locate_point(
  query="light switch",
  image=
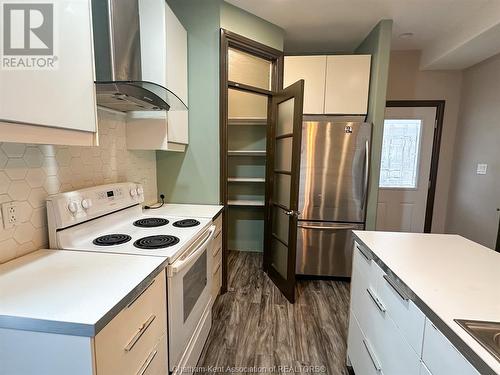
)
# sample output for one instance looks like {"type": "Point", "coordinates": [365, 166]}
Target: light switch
{"type": "Point", "coordinates": [481, 168]}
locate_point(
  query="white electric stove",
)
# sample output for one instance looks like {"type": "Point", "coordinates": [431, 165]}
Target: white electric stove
{"type": "Point", "coordinates": [110, 219]}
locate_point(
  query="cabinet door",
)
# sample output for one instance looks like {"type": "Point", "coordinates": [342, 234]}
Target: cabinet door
{"type": "Point", "coordinates": [441, 357]}
{"type": "Point", "coordinates": [347, 84]}
{"type": "Point", "coordinates": [312, 69]}
{"type": "Point", "coordinates": [61, 96]}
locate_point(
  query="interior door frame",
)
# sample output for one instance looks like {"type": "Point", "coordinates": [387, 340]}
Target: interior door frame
{"type": "Point", "coordinates": [296, 90]}
{"type": "Point", "coordinates": [436, 148]}
{"type": "Point", "coordinates": [230, 39]}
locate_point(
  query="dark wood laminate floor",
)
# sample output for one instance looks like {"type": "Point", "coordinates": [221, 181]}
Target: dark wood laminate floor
{"type": "Point", "coordinates": [255, 326]}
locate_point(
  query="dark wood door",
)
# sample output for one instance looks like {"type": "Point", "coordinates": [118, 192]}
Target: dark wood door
{"type": "Point", "coordinates": [282, 188]}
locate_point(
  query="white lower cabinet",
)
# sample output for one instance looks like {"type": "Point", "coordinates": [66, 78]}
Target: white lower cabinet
{"type": "Point", "coordinates": [389, 349]}
{"type": "Point", "coordinates": [441, 357]}
{"type": "Point", "coordinates": [388, 331]}
{"type": "Point", "coordinates": [133, 342]}
{"type": "Point", "coordinates": [126, 343]}
{"type": "Point", "coordinates": [363, 361]}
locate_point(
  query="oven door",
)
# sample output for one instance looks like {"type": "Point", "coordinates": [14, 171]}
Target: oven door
{"type": "Point", "coordinates": [189, 284]}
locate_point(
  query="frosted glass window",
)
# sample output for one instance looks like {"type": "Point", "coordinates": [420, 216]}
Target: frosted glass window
{"type": "Point", "coordinates": [400, 154]}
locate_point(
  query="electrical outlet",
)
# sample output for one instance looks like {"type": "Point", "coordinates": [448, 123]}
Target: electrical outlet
{"type": "Point", "coordinates": [9, 214]}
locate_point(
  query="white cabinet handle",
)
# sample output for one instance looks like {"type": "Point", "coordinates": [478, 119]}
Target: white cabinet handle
{"type": "Point", "coordinates": [139, 333]}
{"type": "Point", "coordinates": [375, 299]}
{"type": "Point", "coordinates": [396, 288]}
{"type": "Point", "coordinates": [373, 357]}
{"type": "Point", "coordinates": [146, 364]}
{"type": "Point", "coordinates": [363, 252]}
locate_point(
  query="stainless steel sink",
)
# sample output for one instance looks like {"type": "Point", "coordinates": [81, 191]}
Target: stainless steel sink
{"type": "Point", "coordinates": [485, 333]}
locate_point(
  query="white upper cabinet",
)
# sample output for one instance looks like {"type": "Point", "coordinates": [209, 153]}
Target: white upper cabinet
{"type": "Point", "coordinates": [55, 88]}
{"type": "Point", "coordinates": [164, 61]}
{"type": "Point", "coordinates": [312, 69]}
{"type": "Point", "coordinates": [334, 84]}
{"type": "Point", "coordinates": [347, 84]}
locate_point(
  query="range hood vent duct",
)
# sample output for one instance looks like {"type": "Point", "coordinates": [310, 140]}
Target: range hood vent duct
{"type": "Point", "coordinates": [117, 50]}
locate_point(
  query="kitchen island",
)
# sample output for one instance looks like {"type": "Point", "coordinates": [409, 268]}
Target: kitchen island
{"type": "Point", "coordinates": [407, 290]}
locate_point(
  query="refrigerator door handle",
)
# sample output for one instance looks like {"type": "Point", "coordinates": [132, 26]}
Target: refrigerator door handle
{"type": "Point", "coordinates": [366, 174]}
{"type": "Point", "coordinates": [333, 227]}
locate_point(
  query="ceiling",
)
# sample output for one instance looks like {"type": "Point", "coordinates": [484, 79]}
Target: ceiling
{"type": "Point", "coordinates": [314, 26]}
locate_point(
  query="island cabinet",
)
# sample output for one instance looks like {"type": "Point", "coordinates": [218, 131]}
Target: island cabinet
{"type": "Point", "coordinates": [388, 333]}
{"type": "Point", "coordinates": [133, 342]}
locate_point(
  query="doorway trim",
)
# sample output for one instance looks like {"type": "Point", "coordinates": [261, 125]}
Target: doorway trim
{"type": "Point", "coordinates": [436, 147]}
{"type": "Point", "coordinates": [231, 39]}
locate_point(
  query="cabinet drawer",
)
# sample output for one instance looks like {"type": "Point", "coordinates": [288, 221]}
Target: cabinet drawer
{"type": "Point", "coordinates": [156, 362]}
{"type": "Point", "coordinates": [217, 260]}
{"type": "Point", "coordinates": [363, 360]}
{"type": "Point", "coordinates": [365, 276]}
{"type": "Point", "coordinates": [441, 357]}
{"type": "Point", "coordinates": [217, 281]}
{"type": "Point", "coordinates": [218, 224]}
{"type": "Point", "coordinates": [125, 343]}
{"type": "Point", "coordinates": [217, 244]}
{"type": "Point", "coordinates": [405, 314]}
{"type": "Point", "coordinates": [393, 350]}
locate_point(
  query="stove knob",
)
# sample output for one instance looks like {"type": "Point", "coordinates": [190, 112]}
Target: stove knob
{"type": "Point", "coordinates": [86, 203]}
{"type": "Point", "coordinates": [140, 190]}
{"type": "Point", "coordinates": [73, 207]}
{"type": "Point", "coordinates": [133, 192]}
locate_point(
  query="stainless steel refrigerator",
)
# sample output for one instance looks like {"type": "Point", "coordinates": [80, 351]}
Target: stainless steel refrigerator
{"type": "Point", "coordinates": [332, 194]}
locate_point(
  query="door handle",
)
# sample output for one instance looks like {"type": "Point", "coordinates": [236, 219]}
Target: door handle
{"type": "Point", "coordinates": [376, 300]}
{"type": "Point", "coordinates": [139, 333]}
{"type": "Point", "coordinates": [305, 226]}
{"type": "Point", "coordinates": [292, 213]}
{"type": "Point", "coordinates": [373, 357]}
{"type": "Point", "coordinates": [366, 174]}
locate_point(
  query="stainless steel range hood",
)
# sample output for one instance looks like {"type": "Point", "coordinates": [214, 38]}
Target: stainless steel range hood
{"type": "Point", "coordinates": [118, 61]}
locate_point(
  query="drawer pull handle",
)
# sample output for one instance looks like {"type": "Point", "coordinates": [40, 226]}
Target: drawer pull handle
{"type": "Point", "coordinates": [364, 253]}
{"type": "Point", "coordinates": [146, 364]}
{"type": "Point", "coordinates": [375, 299]}
{"type": "Point", "coordinates": [373, 357]}
{"type": "Point", "coordinates": [140, 294]}
{"type": "Point", "coordinates": [139, 333]}
{"type": "Point", "coordinates": [397, 288]}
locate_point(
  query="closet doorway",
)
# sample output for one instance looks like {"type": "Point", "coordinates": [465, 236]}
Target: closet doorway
{"type": "Point", "coordinates": [261, 127]}
{"type": "Point", "coordinates": [249, 73]}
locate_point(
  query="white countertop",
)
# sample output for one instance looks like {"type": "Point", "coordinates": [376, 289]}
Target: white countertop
{"type": "Point", "coordinates": [455, 277]}
{"type": "Point", "coordinates": [189, 210]}
{"type": "Point", "coordinates": [70, 292]}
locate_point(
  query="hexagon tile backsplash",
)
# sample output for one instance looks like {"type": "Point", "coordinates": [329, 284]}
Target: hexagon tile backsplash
{"type": "Point", "coordinates": [29, 173]}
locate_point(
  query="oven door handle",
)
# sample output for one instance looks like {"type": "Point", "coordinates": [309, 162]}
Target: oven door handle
{"type": "Point", "coordinates": [180, 264]}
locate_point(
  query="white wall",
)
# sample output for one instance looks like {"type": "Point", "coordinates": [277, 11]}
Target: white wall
{"type": "Point", "coordinates": [407, 82]}
{"type": "Point", "coordinates": [474, 199]}
{"type": "Point", "coordinates": [28, 173]}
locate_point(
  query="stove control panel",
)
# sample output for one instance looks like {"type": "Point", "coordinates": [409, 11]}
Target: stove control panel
{"type": "Point", "coordinates": [78, 206]}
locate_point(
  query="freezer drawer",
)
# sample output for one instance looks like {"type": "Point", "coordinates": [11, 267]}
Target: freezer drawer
{"type": "Point", "coordinates": [325, 248]}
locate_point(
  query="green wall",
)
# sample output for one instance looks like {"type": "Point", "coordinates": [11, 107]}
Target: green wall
{"type": "Point", "coordinates": [378, 44]}
{"type": "Point", "coordinates": [241, 22]}
{"type": "Point", "coordinates": [193, 176]}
